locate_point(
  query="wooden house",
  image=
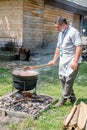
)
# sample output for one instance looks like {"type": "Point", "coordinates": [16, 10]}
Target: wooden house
{"type": "Point", "coordinates": [31, 22]}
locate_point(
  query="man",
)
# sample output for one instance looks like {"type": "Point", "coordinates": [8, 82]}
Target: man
{"type": "Point", "coordinates": [69, 49]}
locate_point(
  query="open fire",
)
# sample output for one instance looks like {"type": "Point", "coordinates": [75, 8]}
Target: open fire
{"type": "Point", "coordinates": [24, 104]}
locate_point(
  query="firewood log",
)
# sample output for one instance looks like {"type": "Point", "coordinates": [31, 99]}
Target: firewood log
{"type": "Point", "coordinates": [86, 125]}
{"type": "Point", "coordinates": [82, 118]}
{"type": "Point", "coordinates": [69, 117]}
{"type": "Point", "coordinates": [76, 128]}
{"type": "Point", "coordinates": [74, 119]}
{"type": "Point", "coordinates": [69, 128]}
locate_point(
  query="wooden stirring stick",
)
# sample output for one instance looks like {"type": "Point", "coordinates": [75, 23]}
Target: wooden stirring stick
{"type": "Point", "coordinates": [34, 67]}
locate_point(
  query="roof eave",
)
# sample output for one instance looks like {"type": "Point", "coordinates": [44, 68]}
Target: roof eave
{"type": "Point", "coordinates": [69, 6]}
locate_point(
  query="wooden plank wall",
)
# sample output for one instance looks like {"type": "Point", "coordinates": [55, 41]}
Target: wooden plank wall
{"type": "Point", "coordinates": [76, 21]}
{"type": "Point", "coordinates": [38, 21]}
{"type": "Point", "coordinates": [50, 14]}
{"type": "Point", "coordinates": [33, 23]}
{"type": "Point", "coordinates": [11, 17]}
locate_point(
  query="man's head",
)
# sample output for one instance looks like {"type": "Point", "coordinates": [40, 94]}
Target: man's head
{"type": "Point", "coordinates": [61, 23]}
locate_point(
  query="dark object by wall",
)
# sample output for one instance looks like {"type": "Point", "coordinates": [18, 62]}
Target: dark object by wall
{"type": "Point", "coordinates": [24, 54]}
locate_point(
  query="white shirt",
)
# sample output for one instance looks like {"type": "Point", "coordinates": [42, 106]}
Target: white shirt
{"type": "Point", "coordinates": [67, 47]}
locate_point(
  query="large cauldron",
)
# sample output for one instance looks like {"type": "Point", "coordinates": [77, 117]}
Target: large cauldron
{"type": "Point", "coordinates": [24, 80]}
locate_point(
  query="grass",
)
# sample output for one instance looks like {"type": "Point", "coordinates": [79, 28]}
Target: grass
{"type": "Point", "coordinates": [5, 81]}
{"type": "Point", "coordinates": [49, 84]}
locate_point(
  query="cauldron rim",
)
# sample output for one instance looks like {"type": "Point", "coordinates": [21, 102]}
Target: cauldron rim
{"type": "Point", "coordinates": [17, 73]}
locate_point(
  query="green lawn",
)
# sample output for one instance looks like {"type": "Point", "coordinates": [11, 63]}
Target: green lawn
{"type": "Point", "coordinates": [49, 84]}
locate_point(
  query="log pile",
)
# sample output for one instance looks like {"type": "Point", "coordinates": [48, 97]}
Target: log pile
{"type": "Point", "coordinates": [77, 118]}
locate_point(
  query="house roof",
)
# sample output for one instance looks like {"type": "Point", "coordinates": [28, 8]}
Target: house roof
{"type": "Point", "coordinates": [69, 6]}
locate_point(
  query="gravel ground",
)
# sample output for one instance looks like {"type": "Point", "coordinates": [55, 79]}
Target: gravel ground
{"type": "Point", "coordinates": [41, 56]}
{"type": "Point", "coordinates": [6, 121]}
{"type": "Point", "coordinates": [33, 61]}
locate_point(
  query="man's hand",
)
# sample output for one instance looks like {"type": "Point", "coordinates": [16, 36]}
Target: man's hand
{"type": "Point", "coordinates": [74, 65]}
{"type": "Point", "coordinates": [51, 63]}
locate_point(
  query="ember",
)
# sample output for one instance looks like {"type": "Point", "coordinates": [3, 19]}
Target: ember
{"type": "Point", "coordinates": [25, 104]}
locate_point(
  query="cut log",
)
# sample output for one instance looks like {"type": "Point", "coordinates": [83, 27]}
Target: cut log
{"type": "Point", "coordinates": [69, 117]}
{"type": "Point", "coordinates": [86, 125]}
{"type": "Point", "coordinates": [74, 119]}
{"type": "Point", "coordinates": [76, 128]}
{"type": "Point", "coordinates": [82, 118]}
{"type": "Point", "coordinates": [69, 128]}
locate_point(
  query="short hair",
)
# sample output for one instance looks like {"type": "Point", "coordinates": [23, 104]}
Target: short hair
{"type": "Point", "coordinates": [60, 20]}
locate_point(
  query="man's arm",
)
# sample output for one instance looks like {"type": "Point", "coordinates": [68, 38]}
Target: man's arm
{"type": "Point", "coordinates": [56, 54]}
{"type": "Point", "coordinates": [78, 53]}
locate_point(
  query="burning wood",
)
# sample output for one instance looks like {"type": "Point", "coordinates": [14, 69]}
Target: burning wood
{"type": "Point", "coordinates": [27, 94]}
{"type": "Point", "coordinates": [25, 103]}
{"type": "Point", "coordinates": [77, 118]}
